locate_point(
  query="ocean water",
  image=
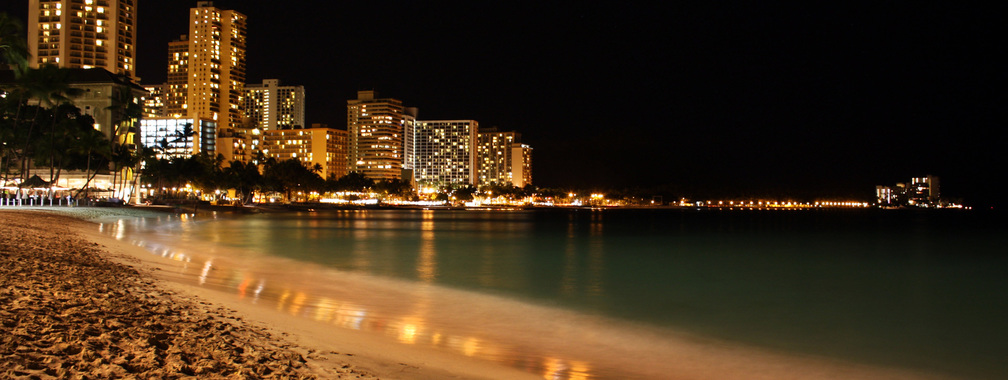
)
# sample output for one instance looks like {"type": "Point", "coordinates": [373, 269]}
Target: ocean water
{"type": "Point", "coordinates": [587, 293]}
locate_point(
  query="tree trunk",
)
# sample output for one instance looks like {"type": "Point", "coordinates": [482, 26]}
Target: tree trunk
{"type": "Point", "coordinates": [87, 173]}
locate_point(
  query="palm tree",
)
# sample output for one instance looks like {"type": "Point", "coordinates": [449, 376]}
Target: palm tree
{"type": "Point", "coordinates": [183, 135]}
{"type": "Point", "coordinates": [68, 123]}
{"type": "Point", "coordinates": [49, 85]}
{"type": "Point", "coordinates": [244, 178]}
{"type": "Point", "coordinates": [94, 146]}
{"type": "Point", "coordinates": [13, 47]}
{"type": "Point", "coordinates": [127, 111]}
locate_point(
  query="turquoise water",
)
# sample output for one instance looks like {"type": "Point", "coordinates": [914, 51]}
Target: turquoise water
{"type": "Point", "coordinates": [926, 291]}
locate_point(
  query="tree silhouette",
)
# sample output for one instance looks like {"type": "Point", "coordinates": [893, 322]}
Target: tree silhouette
{"type": "Point", "coordinates": [13, 47]}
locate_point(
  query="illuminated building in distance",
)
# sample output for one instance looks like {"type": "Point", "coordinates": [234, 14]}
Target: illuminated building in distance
{"type": "Point", "coordinates": [154, 101]}
{"type": "Point", "coordinates": [216, 64]}
{"type": "Point", "coordinates": [375, 128]}
{"type": "Point", "coordinates": [521, 165]}
{"type": "Point", "coordinates": [271, 106]}
{"type": "Point", "coordinates": [494, 158]}
{"type": "Point", "coordinates": [168, 138]}
{"type": "Point", "coordinates": [83, 34]}
{"type": "Point", "coordinates": [444, 153]}
{"type": "Point", "coordinates": [503, 159]}
{"type": "Point", "coordinates": [318, 145]}
{"type": "Point", "coordinates": [267, 107]}
{"type": "Point", "coordinates": [177, 84]}
{"type": "Point", "coordinates": [921, 192]}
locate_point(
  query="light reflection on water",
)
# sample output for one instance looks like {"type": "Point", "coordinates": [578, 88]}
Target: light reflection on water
{"type": "Point", "coordinates": [877, 289]}
{"type": "Point", "coordinates": [409, 315]}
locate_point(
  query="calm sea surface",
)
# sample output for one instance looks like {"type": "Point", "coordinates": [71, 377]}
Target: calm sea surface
{"type": "Point", "coordinates": [919, 290]}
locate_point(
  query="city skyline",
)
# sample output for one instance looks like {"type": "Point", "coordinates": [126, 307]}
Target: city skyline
{"type": "Point", "coordinates": [731, 99]}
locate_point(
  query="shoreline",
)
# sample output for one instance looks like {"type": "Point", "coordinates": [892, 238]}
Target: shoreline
{"type": "Point", "coordinates": [111, 313]}
{"type": "Point", "coordinates": [324, 347]}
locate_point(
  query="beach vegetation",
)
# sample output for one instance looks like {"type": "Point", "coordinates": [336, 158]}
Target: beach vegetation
{"type": "Point", "coordinates": [292, 179]}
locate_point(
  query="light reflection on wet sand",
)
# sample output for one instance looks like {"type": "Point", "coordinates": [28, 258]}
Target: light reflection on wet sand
{"type": "Point", "coordinates": [414, 314]}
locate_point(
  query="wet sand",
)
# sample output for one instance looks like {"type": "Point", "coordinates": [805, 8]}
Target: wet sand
{"type": "Point", "coordinates": [87, 304]}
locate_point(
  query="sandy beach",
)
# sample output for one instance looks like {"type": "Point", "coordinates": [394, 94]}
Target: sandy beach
{"type": "Point", "coordinates": [79, 303]}
{"type": "Point", "coordinates": [70, 312]}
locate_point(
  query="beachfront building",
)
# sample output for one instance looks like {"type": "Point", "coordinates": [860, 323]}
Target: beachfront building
{"type": "Point", "coordinates": [375, 128]}
{"type": "Point", "coordinates": [318, 145]}
{"type": "Point", "coordinates": [923, 190]}
{"type": "Point", "coordinates": [177, 84]}
{"type": "Point", "coordinates": [494, 158]}
{"type": "Point", "coordinates": [920, 192]}
{"type": "Point", "coordinates": [238, 144]}
{"type": "Point", "coordinates": [521, 165]}
{"type": "Point", "coordinates": [83, 34]}
{"type": "Point", "coordinates": [171, 137]}
{"type": "Point", "coordinates": [215, 66]}
{"type": "Point", "coordinates": [104, 96]}
{"type": "Point", "coordinates": [444, 153]}
{"type": "Point", "coordinates": [271, 106]}
{"type": "Point", "coordinates": [267, 107]}
{"type": "Point", "coordinates": [409, 140]}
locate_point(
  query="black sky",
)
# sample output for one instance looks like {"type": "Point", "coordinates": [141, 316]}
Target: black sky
{"type": "Point", "coordinates": [710, 99]}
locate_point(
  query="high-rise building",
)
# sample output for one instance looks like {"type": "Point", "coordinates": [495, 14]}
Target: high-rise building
{"type": "Point", "coordinates": [154, 101]}
{"type": "Point", "coordinates": [521, 165]}
{"type": "Point", "coordinates": [444, 153]}
{"type": "Point", "coordinates": [494, 157]}
{"type": "Point", "coordinates": [178, 77]}
{"type": "Point", "coordinates": [409, 141]}
{"type": "Point", "coordinates": [83, 34]}
{"type": "Point", "coordinates": [375, 142]}
{"type": "Point", "coordinates": [317, 145]}
{"type": "Point", "coordinates": [920, 192]}
{"type": "Point", "coordinates": [216, 64]}
{"type": "Point", "coordinates": [923, 190]}
{"type": "Point", "coordinates": [271, 106]}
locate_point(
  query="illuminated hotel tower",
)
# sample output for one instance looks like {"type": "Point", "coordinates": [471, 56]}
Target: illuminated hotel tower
{"type": "Point", "coordinates": [83, 34]}
{"type": "Point", "coordinates": [178, 78]}
{"type": "Point", "coordinates": [495, 149]}
{"type": "Point", "coordinates": [319, 145]}
{"type": "Point", "coordinates": [375, 127]}
{"type": "Point", "coordinates": [272, 106]}
{"type": "Point", "coordinates": [521, 165]}
{"type": "Point", "coordinates": [216, 64]}
{"type": "Point", "coordinates": [445, 152]}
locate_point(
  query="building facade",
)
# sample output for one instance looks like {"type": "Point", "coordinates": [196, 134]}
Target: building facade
{"type": "Point", "coordinates": [271, 106]}
{"type": "Point", "coordinates": [321, 146]}
{"type": "Point", "coordinates": [154, 101]}
{"type": "Point", "coordinates": [444, 153]}
{"type": "Point", "coordinates": [83, 34]}
{"type": "Point", "coordinates": [494, 159]}
{"type": "Point", "coordinates": [216, 64]}
{"type": "Point", "coordinates": [375, 127]}
{"type": "Point", "coordinates": [177, 84]}
{"type": "Point", "coordinates": [920, 192]}
{"type": "Point", "coordinates": [171, 137]}
{"type": "Point", "coordinates": [521, 165]}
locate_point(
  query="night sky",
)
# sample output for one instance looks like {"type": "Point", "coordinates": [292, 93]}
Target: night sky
{"type": "Point", "coordinates": [704, 99]}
